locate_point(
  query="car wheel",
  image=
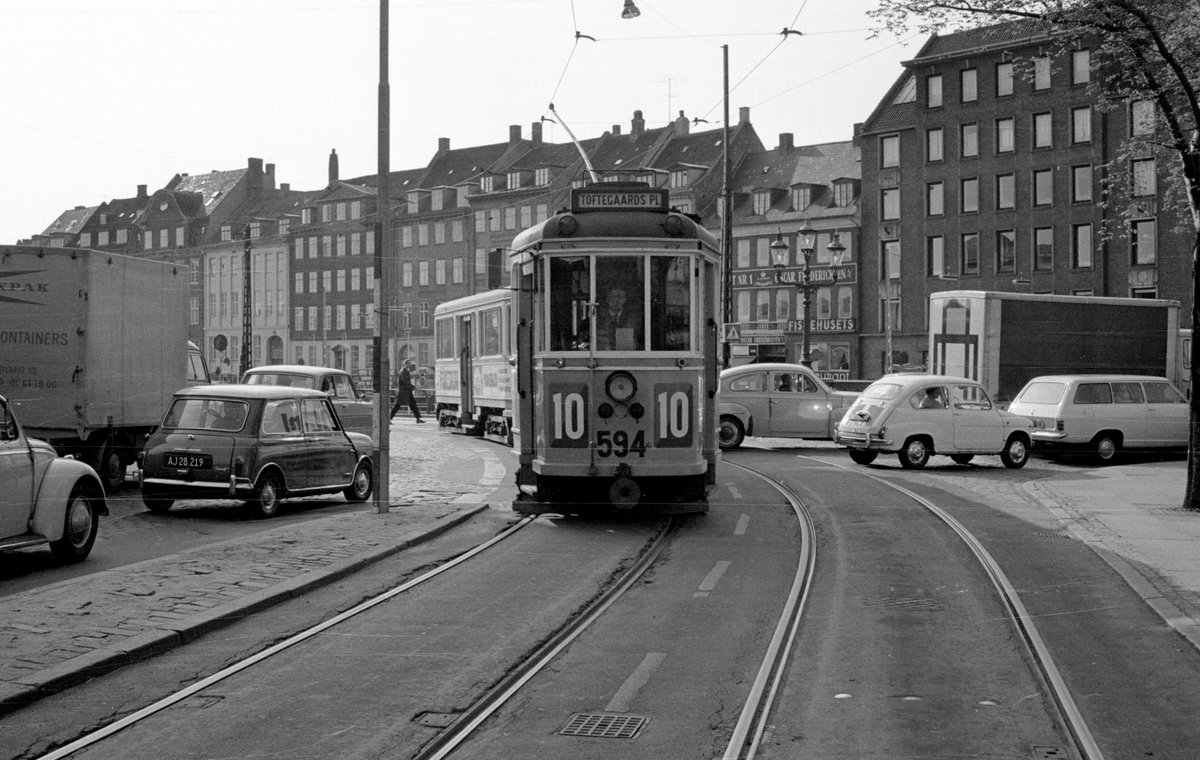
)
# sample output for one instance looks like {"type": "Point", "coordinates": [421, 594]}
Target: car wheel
{"type": "Point", "coordinates": [1015, 453]}
{"type": "Point", "coordinates": [360, 488]}
{"type": "Point", "coordinates": [863, 456]}
{"type": "Point", "coordinates": [1106, 447]}
{"type": "Point", "coordinates": [915, 454]}
{"type": "Point", "coordinates": [730, 433]}
{"type": "Point", "coordinates": [156, 504]}
{"type": "Point", "coordinates": [268, 492]}
{"type": "Point", "coordinates": [962, 458]}
{"type": "Point", "coordinates": [79, 526]}
{"type": "Point", "coordinates": [110, 466]}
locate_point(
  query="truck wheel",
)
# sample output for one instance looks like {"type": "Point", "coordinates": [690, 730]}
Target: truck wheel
{"type": "Point", "coordinates": [863, 456]}
{"type": "Point", "coordinates": [1106, 447]}
{"type": "Point", "coordinates": [80, 524]}
{"type": "Point", "coordinates": [360, 488]}
{"type": "Point", "coordinates": [1015, 453]}
{"type": "Point", "coordinates": [265, 502]}
{"type": "Point", "coordinates": [730, 433]}
{"type": "Point", "coordinates": [915, 454]}
{"type": "Point", "coordinates": [110, 466]}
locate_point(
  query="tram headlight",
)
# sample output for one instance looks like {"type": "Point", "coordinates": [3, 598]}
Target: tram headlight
{"type": "Point", "coordinates": [605, 411]}
{"type": "Point", "coordinates": [568, 225]}
{"type": "Point", "coordinates": [636, 411]}
{"type": "Point", "coordinates": [673, 225]}
{"type": "Point", "coordinates": [620, 386]}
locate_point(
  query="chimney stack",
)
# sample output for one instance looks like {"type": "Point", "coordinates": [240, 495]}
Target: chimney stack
{"type": "Point", "coordinates": [638, 125]}
{"type": "Point", "coordinates": [536, 132]}
{"type": "Point", "coordinates": [142, 195]}
{"type": "Point", "coordinates": [681, 123]}
{"type": "Point", "coordinates": [333, 167]}
{"type": "Point", "coordinates": [786, 142]}
{"type": "Point", "coordinates": [514, 134]}
{"type": "Point", "coordinates": [744, 115]}
{"type": "Point", "coordinates": [443, 145]}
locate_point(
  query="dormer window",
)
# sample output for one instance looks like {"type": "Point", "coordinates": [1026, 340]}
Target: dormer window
{"type": "Point", "coordinates": [844, 193]}
{"type": "Point", "coordinates": [541, 177]}
{"type": "Point", "coordinates": [801, 198]}
{"type": "Point", "coordinates": [514, 180]}
{"type": "Point", "coordinates": [486, 184]}
{"type": "Point", "coordinates": [762, 202]}
{"type": "Point", "coordinates": [226, 232]}
{"type": "Point", "coordinates": [306, 215]}
{"type": "Point", "coordinates": [414, 202]}
{"type": "Point", "coordinates": [679, 178]}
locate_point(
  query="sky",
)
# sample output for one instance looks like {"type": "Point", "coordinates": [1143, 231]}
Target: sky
{"type": "Point", "coordinates": [98, 97]}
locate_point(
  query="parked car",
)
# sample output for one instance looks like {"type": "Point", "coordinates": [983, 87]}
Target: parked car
{"type": "Point", "coordinates": [255, 443]}
{"type": "Point", "coordinates": [354, 407]}
{"type": "Point", "coordinates": [47, 499]}
{"type": "Point", "coordinates": [918, 416]}
{"type": "Point", "coordinates": [779, 400]}
{"type": "Point", "coordinates": [1103, 414]}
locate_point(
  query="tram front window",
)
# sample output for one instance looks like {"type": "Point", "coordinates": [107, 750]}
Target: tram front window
{"type": "Point", "coordinates": [670, 303]}
{"type": "Point", "coordinates": [570, 296]}
{"type": "Point", "coordinates": [620, 292]}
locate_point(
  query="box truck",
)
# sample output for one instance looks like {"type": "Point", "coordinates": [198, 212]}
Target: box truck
{"type": "Point", "coordinates": [1004, 339]}
{"type": "Point", "coordinates": [92, 346]}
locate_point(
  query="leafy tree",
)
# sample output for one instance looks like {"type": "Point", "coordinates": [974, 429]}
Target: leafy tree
{"type": "Point", "coordinates": [1142, 50]}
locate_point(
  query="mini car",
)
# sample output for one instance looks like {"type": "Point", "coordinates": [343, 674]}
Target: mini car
{"type": "Point", "coordinates": [47, 499]}
{"type": "Point", "coordinates": [1103, 414]}
{"type": "Point", "coordinates": [779, 400]}
{"type": "Point", "coordinates": [254, 443]}
{"type": "Point", "coordinates": [354, 407]}
{"type": "Point", "coordinates": [918, 416]}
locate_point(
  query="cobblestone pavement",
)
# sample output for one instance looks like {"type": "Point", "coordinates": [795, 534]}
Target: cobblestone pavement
{"type": "Point", "coordinates": [57, 635]}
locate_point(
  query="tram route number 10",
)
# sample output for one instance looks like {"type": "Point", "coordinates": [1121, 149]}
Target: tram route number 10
{"type": "Point", "coordinates": [671, 418]}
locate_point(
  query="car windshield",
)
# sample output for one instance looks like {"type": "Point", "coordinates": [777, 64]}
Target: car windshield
{"type": "Point", "coordinates": [279, 378]}
{"type": "Point", "coordinates": [1041, 392]}
{"type": "Point", "coordinates": [225, 415]}
{"type": "Point", "coordinates": [882, 391]}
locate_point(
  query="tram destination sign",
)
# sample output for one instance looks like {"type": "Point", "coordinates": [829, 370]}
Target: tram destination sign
{"type": "Point", "coordinates": [618, 197]}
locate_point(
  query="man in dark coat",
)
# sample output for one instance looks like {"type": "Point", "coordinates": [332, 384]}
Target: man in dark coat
{"type": "Point", "coordinates": [404, 392]}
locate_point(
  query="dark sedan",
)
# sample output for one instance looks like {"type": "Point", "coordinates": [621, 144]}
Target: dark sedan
{"type": "Point", "coordinates": [254, 443]}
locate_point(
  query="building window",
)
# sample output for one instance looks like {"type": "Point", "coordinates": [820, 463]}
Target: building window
{"type": "Point", "coordinates": [1004, 79]}
{"type": "Point", "coordinates": [1081, 124]}
{"type": "Point", "coordinates": [226, 232]}
{"type": "Point", "coordinates": [485, 184]}
{"type": "Point", "coordinates": [968, 85]}
{"type": "Point", "coordinates": [970, 253]}
{"type": "Point", "coordinates": [85, 240]}
{"type": "Point", "coordinates": [406, 274]}
{"type": "Point", "coordinates": [1043, 248]}
{"type": "Point", "coordinates": [843, 194]}
{"type": "Point", "coordinates": [1081, 246]}
{"type": "Point", "coordinates": [1004, 135]}
{"type": "Point", "coordinates": [1043, 130]}
{"type": "Point", "coordinates": [933, 91]}
{"type": "Point", "coordinates": [541, 177]}
{"type": "Point", "coordinates": [762, 202]}
{"type": "Point", "coordinates": [163, 240]}
{"type": "Point", "coordinates": [514, 180]}
{"type": "Point", "coordinates": [1081, 66]}
{"type": "Point", "coordinates": [422, 273]}
{"type": "Point", "coordinates": [1006, 192]}
{"type": "Point", "coordinates": [679, 178]}
{"type": "Point", "coordinates": [969, 195]}
{"type": "Point", "coordinates": [935, 256]}
{"type": "Point", "coordinates": [1144, 177]}
{"type": "Point", "coordinates": [1006, 251]}
{"type": "Point", "coordinates": [122, 236]}
{"type": "Point", "coordinates": [1141, 118]}
{"type": "Point", "coordinates": [1043, 187]}
{"type": "Point", "coordinates": [933, 144]}
{"type": "Point", "coordinates": [458, 269]}
{"type": "Point", "coordinates": [1142, 242]}
{"type": "Point", "coordinates": [1081, 183]}
{"type": "Point", "coordinates": [934, 199]}
{"type": "Point", "coordinates": [889, 263]}
{"type": "Point", "coordinates": [743, 253]}
{"type": "Point", "coordinates": [1041, 73]}
{"type": "Point", "coordinates": [891, 203]}
{"type": "Point", "coordinates": [439, 272]}
{"type": "Point", "coordinates": [969, 140]}
{"type": "Point", "coordinates": [801, 198]}
{"type": "Point", "coordinates": [889, 151]}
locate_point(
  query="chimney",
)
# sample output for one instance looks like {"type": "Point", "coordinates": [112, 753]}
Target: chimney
{"type": "Point", "coordinates": [254, 174]}
{"type": "Point", "coordinates": [443, 145]}
{"type": "Point", "coordinates": [333, 167]}
{"type": "Point", "coordinates": [616, 130]}
{"type": "Point", "coordinates": [514, 134]}
{"type": "Point", "coordinates": [786, 142]}
{"type": "Point", "coordinates": [269, 180]}
{"type": "Point", "coordinates": [681, 123]}
{"type": "Point", "coordinates": [638, 126]}
{"type": "Point", "coordinates": [285, 186]}
{"type": "Point", "coordinates": [142, 195]}
{"type": "Point", "coordinates": [744, 115]}
{"type": "Point", "coordinates": [536, 133]}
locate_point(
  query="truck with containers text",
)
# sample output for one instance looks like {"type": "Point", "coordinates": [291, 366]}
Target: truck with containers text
{"type": "Point", "coordinates": [92, 347]}
{"type": "Point", "coordinates": [1003, 340]}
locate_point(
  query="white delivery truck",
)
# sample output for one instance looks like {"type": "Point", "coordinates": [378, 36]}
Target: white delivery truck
{"type": "Point", "coordinates": [92, 346]}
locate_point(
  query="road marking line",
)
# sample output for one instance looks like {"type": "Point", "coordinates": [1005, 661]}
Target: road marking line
{"type": "Point", "coordinates": [742, 523]}
{"type": "Point", "coordinates": [714, 576]}
{"type": "Point", "coordinates": [637, 679]}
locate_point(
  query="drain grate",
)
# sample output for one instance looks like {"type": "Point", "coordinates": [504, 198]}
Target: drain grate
{"type": "Point", "coordinates": [604, 725]}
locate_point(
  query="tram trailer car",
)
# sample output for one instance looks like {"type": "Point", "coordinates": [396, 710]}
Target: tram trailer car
{"type": "Point", "coordinates": [473, 365]}
{"type": "Point", "coordinates": [616, 335]}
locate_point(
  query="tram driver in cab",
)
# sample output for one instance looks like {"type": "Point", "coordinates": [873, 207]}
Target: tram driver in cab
{"type": "Point", "coordinates": [619, 322]}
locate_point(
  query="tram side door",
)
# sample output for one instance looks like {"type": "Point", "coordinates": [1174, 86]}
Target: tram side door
{"type": "Point", "coordinates": [465, 373]}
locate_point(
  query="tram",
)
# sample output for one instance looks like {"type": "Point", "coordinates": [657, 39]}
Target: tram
{"type": "Point", "coordinates": [612, 320]}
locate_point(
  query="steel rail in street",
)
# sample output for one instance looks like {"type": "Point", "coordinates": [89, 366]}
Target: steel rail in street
{"type": "Point", "coordinates": [172, 699]}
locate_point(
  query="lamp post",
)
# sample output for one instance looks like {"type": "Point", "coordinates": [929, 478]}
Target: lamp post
{"type": "Point", "coordinates": [804, 284]}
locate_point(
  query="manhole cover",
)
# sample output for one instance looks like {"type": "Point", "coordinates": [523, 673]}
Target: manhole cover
{"type": "Point", "coordinates": [604, 725]}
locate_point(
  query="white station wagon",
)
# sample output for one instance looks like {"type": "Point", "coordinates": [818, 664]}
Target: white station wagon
{"type": "Point", "coordinates": [918, 416]}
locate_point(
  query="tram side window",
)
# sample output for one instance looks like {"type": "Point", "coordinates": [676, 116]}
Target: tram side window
{"type": "Point", "coordinates": [570, 291]}
{"type": "Point", "coordinates": [445, 338]}
{"type": "Point", "coordinates": [620, 311]}
{"type": "Point", "coordinates": [491, 332]}
{"type": "Point", "coordinates": [670, 303]}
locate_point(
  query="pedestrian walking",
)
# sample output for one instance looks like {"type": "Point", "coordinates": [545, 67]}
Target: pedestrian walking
{"type": "Point", "coordinates": [404, 392]}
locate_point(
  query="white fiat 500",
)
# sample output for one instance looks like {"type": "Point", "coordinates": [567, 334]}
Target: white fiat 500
{"type": "Point", "coordinates": [918, 416]}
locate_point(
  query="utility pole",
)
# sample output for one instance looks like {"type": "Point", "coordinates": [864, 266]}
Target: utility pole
{"type": "Point", "coordinates": [726, 226]}
{"type": "Point", "coordinates": [247, 305]}
{"type": "Point", "coordinates": [383, 258]}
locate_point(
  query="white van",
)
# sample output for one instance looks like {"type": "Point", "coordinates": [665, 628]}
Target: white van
{"type": "Point", "coordinates": [1103, 414]}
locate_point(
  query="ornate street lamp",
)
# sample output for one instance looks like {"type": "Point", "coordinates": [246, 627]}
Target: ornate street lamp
{"type": "Point", "coordinates": [804, 284]}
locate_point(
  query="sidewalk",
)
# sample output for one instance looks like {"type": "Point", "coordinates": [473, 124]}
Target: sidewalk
{"type": "Point", "coordinates": [62, 634]}
{"type": "Point", "coordinates": [1131, 516]}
